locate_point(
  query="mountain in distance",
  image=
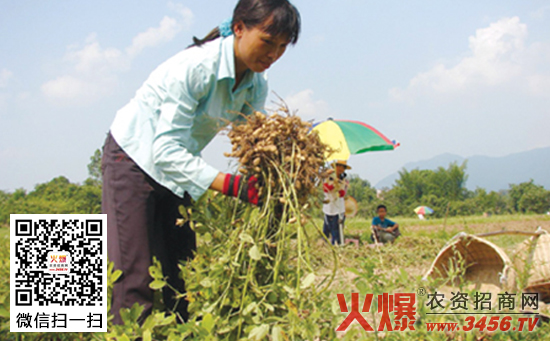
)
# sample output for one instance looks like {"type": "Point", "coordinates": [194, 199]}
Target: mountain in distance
{"type": "Point", "coordinates": [491, 173]}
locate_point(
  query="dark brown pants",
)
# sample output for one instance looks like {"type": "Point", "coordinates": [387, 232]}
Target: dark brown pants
{"type": "Point", "coordinates": [141, 223]}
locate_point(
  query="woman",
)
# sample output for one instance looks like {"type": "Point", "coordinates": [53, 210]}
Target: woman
{"type": "Point", "coordinates": [151, 158]}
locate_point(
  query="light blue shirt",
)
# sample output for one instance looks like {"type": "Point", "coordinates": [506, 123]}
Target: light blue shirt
{"type": "Point", "coordinates": [180, 108]}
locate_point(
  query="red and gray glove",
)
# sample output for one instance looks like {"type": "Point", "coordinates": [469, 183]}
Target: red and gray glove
{"type": "Point", "coordinates": [242, 188]}
{"type": "Point", "coordinates": [328, 188]}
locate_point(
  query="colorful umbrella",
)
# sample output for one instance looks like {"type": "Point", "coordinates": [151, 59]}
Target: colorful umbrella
{"type": "Point", "coordinates": [423, 210]}
{"type": "Point", "coordinates": [351, 137]}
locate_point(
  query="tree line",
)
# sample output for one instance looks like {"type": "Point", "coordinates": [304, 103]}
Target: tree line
{"type": "Point", "coordinates": [442, 189]}
{"type": "Point", "coordinates": [57, 196]}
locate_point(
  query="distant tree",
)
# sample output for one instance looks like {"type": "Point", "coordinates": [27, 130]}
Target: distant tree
{"type": "Point", "coordinates": [94, 169]}
{"type": "Point", "coordinates": [362, 191]}
{"type": "Point", "coordinates": [4, 196]}
{"type": "Point", "coordinates": [58, 196]}
{"type": "Point", "coordinates": [438, 189]}
{"type": "Point", "coordinates": [455, 182]}
{"type": "Point", "coordinates": [527, 197]}
{"type": "Point", "coordinates": [492, 202]}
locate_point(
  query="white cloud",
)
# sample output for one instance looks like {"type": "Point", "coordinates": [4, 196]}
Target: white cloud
{"type": "Point", "coordinates": [186, 15]}
{"type": "Point", "coordinates": [497, 56]}
{"type": "Point", "coordinates": [93, 74]}
{"type": "Point", "coordinates": [70, 90]}
{"type": "Point", "coordinates": [93, 59]}
{"type": "Point", "coordinates": [166, 31]}
{"type": "Point", "coordinates": [94, 69]}
{"type": "Point", "coordinates": [307, 107]}
{"type": "Point", "coordinates": [5, 76]}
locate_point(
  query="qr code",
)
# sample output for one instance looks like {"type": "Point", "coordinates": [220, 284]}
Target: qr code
{"type": "Point", "coordinates": [58, 272]}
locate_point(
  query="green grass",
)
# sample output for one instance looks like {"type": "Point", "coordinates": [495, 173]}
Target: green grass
{"type": "Point", "coordinates": [414, 221]}
{"type": "Point", "coordinates": [439, 228]}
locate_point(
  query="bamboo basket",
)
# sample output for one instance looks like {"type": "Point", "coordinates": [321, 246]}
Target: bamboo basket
{"type": "Point", "coordinates": [533, 255]}
{"type": "Point", "coordinates": [351, 206]}
{"type": "Point", "coordinates": [484, 265]}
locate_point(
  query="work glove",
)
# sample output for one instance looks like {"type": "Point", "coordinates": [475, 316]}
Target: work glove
{"type": "Point", "coordinates": [327, 187]}
{"type": "Point", "coordinates": [241, 187]}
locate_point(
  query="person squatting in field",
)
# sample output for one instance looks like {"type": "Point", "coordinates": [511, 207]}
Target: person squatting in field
{"type": "Point", "coordinates": [384, 230]}
{"type": "Point", "coordinates": [151, 157]}
{"type": "Point", "coordinates": [335, 188]}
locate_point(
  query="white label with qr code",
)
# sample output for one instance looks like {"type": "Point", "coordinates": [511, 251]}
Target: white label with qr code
{"type": "Point", "coordinates": [58, 273]}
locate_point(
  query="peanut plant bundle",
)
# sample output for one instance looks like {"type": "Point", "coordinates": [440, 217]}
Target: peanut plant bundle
{"type": "Point", "coordinates": [253, 277]}
{"type": "Point", "coordinates": [278, 146]}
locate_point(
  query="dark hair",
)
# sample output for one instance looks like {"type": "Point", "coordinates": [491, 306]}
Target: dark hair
{"type": "Point", "coordinates": [381, 206]}
{"type": "Point", "coordinates": [285, 19]}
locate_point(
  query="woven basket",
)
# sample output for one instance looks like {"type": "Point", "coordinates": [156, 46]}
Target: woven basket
{"type": "Point", "coordinates": [485, 265]}
{"type": "Point", "coordinates": [535, 252]}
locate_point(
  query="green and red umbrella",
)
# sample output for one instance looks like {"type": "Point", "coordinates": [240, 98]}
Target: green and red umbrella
{"type": "Point", "coordinates": [351, 137]}
{"type": "Point", "coordinates": [423, 210]}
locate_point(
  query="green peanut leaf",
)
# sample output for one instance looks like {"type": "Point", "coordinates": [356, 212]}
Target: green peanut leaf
{"type": "Point", "coordinates": [276, 334]}
{"type": "Point", "coordinates": [183, 212]}
{"type": "Point", "coordinates": [146, 335]}
{"type": "Point", "coordinates": [207, 322]}
{"type": "Point", "coordinates": [149, 323]}
{"type": "Point", "coordinates": [259, 332]}
{"type": "Point", "coordinates": [254, 253]}
{"type": "Point", "coordinates": [207, 237]}
{"type": "Point", "coordinates": [307, 281]}
{"type": "Point", "coordinates": [124, 338]}
{"type": "Point", "coordinates": [249, 308]}
{"type": "Point", "coordinates": [207, 283]}
{"type": "Point", "coordinates": [173, 337]}
{"type": "Point", "coordinates": [157, 284]}
{"type": "Point", "coordinates": [245, 237]}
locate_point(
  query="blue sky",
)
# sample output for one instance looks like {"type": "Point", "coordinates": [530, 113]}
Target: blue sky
{"type": "Point", "coordinates": [468, 77]}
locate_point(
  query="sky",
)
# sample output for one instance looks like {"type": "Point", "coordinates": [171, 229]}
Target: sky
{"type": "Point", "coordinates": [461, 77]}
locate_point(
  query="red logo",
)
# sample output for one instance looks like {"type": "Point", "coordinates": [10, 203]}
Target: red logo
{"type": "Point", "coordinates": [401, 304]}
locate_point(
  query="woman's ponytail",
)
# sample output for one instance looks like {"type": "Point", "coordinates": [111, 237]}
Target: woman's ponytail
{"type": "Point", "coordinates": [215, 33]}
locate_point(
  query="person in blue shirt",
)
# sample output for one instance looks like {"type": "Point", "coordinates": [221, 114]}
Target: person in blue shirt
{"type": "Point", "coordinates": [384, 230]}
{"type": "Point", "coordinates": [152, 155]}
